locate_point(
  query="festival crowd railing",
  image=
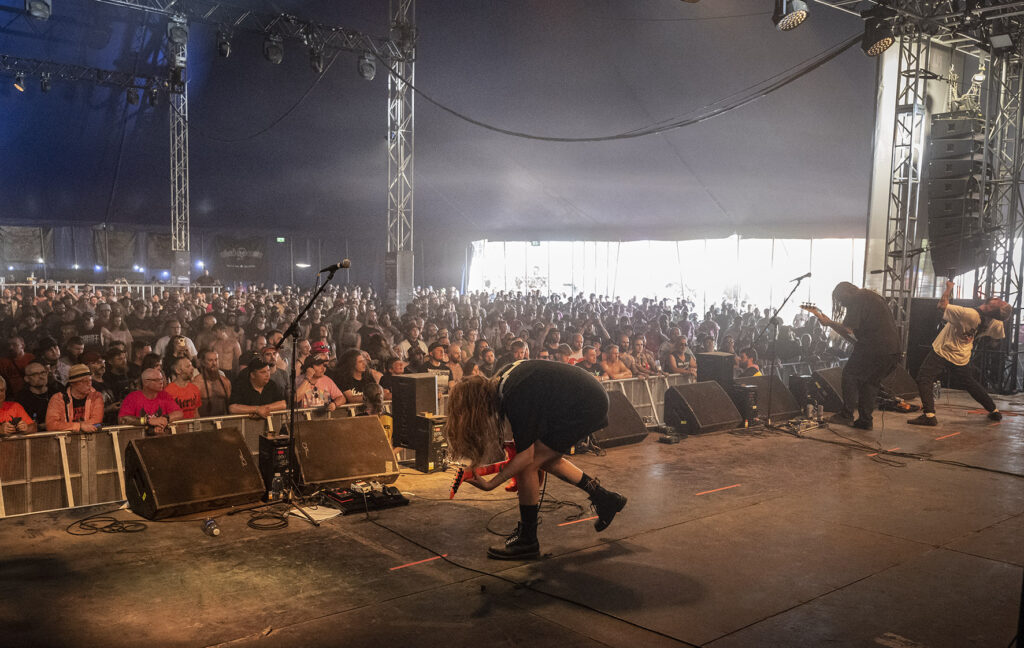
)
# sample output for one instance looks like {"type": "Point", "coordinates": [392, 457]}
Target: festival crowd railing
{"type": "Point", "coordinates": [51, 471]}
{"type": "Point", "coordinates": [143, 291]}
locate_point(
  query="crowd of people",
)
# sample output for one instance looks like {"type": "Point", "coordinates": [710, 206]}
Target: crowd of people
{"type": "Point", "coordinates": [78, 358]}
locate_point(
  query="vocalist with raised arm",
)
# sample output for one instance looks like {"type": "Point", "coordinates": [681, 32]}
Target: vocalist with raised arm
{"type": "Point", "coordinates": [869, 325]}
{"type": "Point", "coordinates": [951, 351]}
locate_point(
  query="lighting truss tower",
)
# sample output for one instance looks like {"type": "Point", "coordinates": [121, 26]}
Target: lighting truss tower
{"type": "Point", "coordinates": [1002, 214]}
{"type": "Point", "coordinates": [898, 280]}
{"type": "Point", "coordinates": [180, 236]}
{"type": "Point", "coordinates": [400, 128]}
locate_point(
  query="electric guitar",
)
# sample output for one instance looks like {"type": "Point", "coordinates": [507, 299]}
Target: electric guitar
{"type": "Point", "coordinates": [465, 474]}
{"type": "Point", "coordinates": [811, 308]}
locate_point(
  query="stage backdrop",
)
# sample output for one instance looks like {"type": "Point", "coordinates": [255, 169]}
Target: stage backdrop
{"type": "Point", "coordinates": [114, 249]}
{"type": "Point", "coordinates": [240, 259]}
{"type": "Point", "coordinates": [26, 244]}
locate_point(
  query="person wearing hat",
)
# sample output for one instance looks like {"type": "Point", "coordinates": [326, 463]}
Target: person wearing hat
{"type": "Point", "coordinates": [314, 388]}
{"type": "Point", "coordinates": [79, 408]}
{"type": "Point", "coordinates": [436, 363]}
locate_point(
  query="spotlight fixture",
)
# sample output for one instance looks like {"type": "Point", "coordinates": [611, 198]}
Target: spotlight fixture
{"type": "Point", "coordinates": [19, 82]}
{"type": "Point", "coordinates": [316, 59]}
{"type": "Point", "coordinates": [273, 49]}
{"type": "Point", "coordinates": [789, 14]}
{"type": "Point", "coordinates": [367, 66]}
{"type": "Point", "coordinates": [39, 9]}
{"type": "Point", "coordinates": [153, 95]}
{"type": "Point", "coordinates": [223, 44]}
{"type": "Point", "coordinates": [177, 77]}
{"type": "Point", "coordinates": [133, 96]}
{"type": "Point", "coordinates": [44, 82]}
{"type": "Point", "coordinates": [177, 31]}
{"type": "Point", "coordinates": [878, 33]}
{"type": "Point", "coordinates": [999, 39]}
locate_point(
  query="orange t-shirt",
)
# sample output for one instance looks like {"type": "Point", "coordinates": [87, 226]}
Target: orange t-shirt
{"type": "Point", "coordinates": [10, 410]}
{"type": "Point", "coordinates": [186, 397]}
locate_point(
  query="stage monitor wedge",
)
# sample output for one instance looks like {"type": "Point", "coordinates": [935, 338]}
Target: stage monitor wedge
{"type": "Point", "coordinates": [187, 473]}
{"type": "Point", "coordinates": [334, 453]}
{"type": "Point", "coordinates": [624, 423]}
{"type": "Point", "coordinates": [700, 407]}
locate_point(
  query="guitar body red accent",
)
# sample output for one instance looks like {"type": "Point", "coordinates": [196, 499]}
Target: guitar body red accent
{"type": "Point", "coordinates": [465, 474]}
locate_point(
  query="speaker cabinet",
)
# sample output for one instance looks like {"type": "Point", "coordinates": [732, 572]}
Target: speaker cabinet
{"type": "Point", "coordinates": [411, 395]}
{"type": "Point", "coordinates": [700, 407]}
{"type": "Point", "coordinates": [191, 472]}
{"type": "Point", "coordinates": [828, 388]}
{"type": "Point", "coordinates": [336, 452]}
{"type": "Point", "coordinates": [954, 148]}
{"type": "Point", "coordinates": [901, 383]}
{"type": "Point", "coordinates": [624, 424]}
{"type": "Point", "coordinates": [717, 366]}
{"type": "Point", "coordinates": [773, 399]}
{"type": "Point", "coordinates": [940, 169]}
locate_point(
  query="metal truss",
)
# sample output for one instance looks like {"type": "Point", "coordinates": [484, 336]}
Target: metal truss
{"type": "Point", "coordinates": [1002, 215]}
{"type": "Point", "coordinates": [899, 278]}
{"type": "Point", "coordinates": [400, 128]}
{"type": "Point", "coordinates": [234, 18]}
{"type": "Point", "coordinates": [180, 236]}
{"type": "Point", "coordinates": [12, 65]}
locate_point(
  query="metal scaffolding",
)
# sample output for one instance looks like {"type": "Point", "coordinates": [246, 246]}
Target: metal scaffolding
{"type": "Point", "coordinates": [899, 278]}
{"type": "Point", "coordinates": [1002, 214]}
{"type": "Point", "coordinates": [400, 127]}
{"type": "Point", "coordinates": [180, 236]}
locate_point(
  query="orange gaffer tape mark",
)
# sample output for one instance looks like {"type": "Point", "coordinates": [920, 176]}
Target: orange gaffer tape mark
{"type": "Point", "coordinates": [593, 517]}
{"type": "Point", "coordinates": [946, 437]}
{"type": "Point", "coordinates": [715, 490]}
{"type": "Point", "coordinates": [889, 450]}
{"type": "Point", "coordinates": [419, 562]}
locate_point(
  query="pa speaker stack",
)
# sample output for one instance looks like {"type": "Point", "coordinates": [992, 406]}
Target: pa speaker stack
{"type": "Point", "coordinates": [956, 176]}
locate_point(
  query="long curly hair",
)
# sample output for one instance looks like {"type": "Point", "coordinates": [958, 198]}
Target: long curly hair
{"type": "Point", "coordinates": [473, 430]}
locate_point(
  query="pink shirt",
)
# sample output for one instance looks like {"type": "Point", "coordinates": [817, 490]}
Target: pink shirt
{"type": "Point", "coordinates": [323, 392]}
{"type": "Point", "coordinates": [136, 403]}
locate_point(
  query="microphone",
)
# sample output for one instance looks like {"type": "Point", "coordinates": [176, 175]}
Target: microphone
{"type": "Point", "coordinates": [801, 277]}
{"type": "Point", "coordinates": [344, 263]}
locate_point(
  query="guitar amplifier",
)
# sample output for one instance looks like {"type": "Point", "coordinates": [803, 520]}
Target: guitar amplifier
{"type": "Point", "coordinates": [430, 444]}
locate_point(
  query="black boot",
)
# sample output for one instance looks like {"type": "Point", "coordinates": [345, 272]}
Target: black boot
{"type": "Point", "coordinates": [518, 546]}
{"type": "Point", "coordinates": [606, 504]}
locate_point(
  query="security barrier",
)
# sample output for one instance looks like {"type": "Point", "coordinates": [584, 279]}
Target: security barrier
{"type": "Point", "coordinates": [58, 470]}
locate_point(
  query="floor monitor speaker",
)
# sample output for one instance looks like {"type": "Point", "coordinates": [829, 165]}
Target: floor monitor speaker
{"type": "Point", "coordinates": [901, 383]}
{"type": "Point", "coordinates": [828, 388]}
{"type": "Point", "coordinates": [700, 407]}
{"type": "Point", "coordinates": [187, 473]}
{"type": "Point", "coordinates": [773, 399]}
{"type": "Point", "coordinates": [336, 452]}
{"type": "Point", "coordinates": [624, 424]}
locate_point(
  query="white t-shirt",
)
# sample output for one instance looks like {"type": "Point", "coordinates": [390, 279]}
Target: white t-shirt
{"type": "Point", "coordinates": [955, 341]}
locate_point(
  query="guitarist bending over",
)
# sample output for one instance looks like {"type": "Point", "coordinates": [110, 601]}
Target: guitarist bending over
{"type": "Point", "coordinates": [548, 407]}
{"type": "Point", "coordinates": [952, 350]}
{"type": "Point", "coordinates": [876, 349]}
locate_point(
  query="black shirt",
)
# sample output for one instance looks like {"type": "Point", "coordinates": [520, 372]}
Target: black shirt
{"type": "Point", "coordinates": [242, 393]}
{"type": "Point", "coordinates": [35, 404]}
{"type": "Point", "coordinates": [870, 319]}
{"type": "Point", "coordinates": [556, 403]}
{"type": "Point", "coordinates": [358, 386]}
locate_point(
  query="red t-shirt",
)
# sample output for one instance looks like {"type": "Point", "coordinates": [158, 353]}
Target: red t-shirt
{"type": "Point", "coordinates": [136, 404]}
{"type": "Point", "coordinates": [186, 397]}
{"type": "Point", "coordinates": [10, 410]}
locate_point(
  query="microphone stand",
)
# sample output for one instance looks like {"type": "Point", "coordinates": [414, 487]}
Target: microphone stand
{"type": "Point", "coordinates": [289, 476]}
{"type": "Point", "coordinates": [767, 417]}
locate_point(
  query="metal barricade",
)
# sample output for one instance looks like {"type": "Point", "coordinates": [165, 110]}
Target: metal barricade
{"type": "Point", "coordinates": [58, 470]}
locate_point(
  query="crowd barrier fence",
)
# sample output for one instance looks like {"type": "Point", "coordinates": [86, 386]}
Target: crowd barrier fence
{"type": "Point", "coordinates": [60, 470]}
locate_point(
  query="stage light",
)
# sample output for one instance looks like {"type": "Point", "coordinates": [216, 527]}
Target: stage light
{"type": "Point", "coordinates": [165, 274]}
{"type": "Point", "coordinates": [135, 267]}
{"type": "Point", "coordinates": [878, 34]}
{"type": "Point", "coordinates": [789, 14]}
{"type": "Point", "coordinates": [39, 9]}
{"type": "Point", "coordinates": [44, 83]}
{"type": "Point", "coordinates": [273, 49]}
{"type": "Point", "coordinates": [40, 260]}
{"type": "Point", "coordinates": [1000, 40]}
{"type": "Point", "coordinates": [200, 265]}
{"type": "Point", "coordinates": [97, 268]}
{"type": "Point", "coordinates": [142, 269]}
{"type": "Point", "coordinates": [302, 265]}
{"type": "Point", "coordinates": [19, 82]}
{"type": "Point", "coordinates": [153, 95]}
{"type": "Point", "coordinates": [177, 31]}
{"type": "Point", "coordinates": [10, 268]}
{"type": "Point", "coordinates": [316, 59]}
{"type": "Point", "coordinates": [75, 266]}
{"type": "Point", "coordinates": [367, 67]}
{"type": "Point", "coordinates": [223, 45]}
{"type": "Point", "coordinates": [133, 96]}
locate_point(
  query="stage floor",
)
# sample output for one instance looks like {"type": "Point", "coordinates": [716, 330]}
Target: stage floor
{"type": "Point", "coordinates": [737, 539]}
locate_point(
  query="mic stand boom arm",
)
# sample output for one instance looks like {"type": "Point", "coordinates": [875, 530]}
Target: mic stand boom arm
{"type": "Point", "coordinates": [775, 356]}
